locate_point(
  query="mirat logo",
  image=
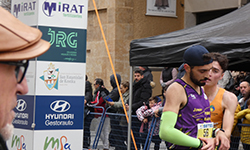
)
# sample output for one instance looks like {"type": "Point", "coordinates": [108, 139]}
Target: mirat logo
{"type": "Point", "coordinates": [27, 7]}
{"type": "Point", "coordinates": [18, 142]}
{"type": "Point", "coordinates": [56, 144]}
{"type": "Point", "coordinates": [50, 77]}
{"type": "Point", "coordinates": [68, 10]}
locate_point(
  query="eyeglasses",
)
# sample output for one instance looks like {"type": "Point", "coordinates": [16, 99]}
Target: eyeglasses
{"type": "Point", "coordinates": [21, 68]}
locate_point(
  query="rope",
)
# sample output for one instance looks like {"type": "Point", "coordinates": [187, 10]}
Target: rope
{"type": "Point", "coordinates": [113, 69]}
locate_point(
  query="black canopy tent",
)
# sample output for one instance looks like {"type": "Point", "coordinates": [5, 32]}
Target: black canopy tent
{"type": "Point", "coordinates": [229, 35]}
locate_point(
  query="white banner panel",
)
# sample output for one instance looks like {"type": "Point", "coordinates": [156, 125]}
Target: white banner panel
{"type": "Point", "coordinates": [21, 140]}
{"type": "Point", "coordinates": [58, 140]}
{"type": "Point", "coordinates": [26, 11]}
{"type": "Point", "coordinates": [30, 77]}
{"type": "Point", "coordinates": [63, 13]}
{"type": "Point", "coordinates": [166, 8]}
{"type": "Point", "coordinates": [60, 78]}
{"type": "Point", "coordinates": [55, 79]}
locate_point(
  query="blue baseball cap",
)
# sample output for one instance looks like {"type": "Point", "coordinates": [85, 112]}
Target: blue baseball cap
{"type": "Point", "coordinates": [193, 56]}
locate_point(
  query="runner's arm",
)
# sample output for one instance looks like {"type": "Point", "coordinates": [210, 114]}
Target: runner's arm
{"type": "Point", "coordinates": [173, 135]}
{"type": "Point", "coordinates": [175, 99]}
{"type": "Point", "coordinates": [230, 104]}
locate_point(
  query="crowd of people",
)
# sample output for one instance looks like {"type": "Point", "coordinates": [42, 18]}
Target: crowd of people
{"type": "Point", "coordinates": [201, 104]}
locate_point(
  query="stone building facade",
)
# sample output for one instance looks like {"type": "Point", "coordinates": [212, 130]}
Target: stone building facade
{"type": "Point", "coordinates": [126, 20]}
{"type": "Point", "coordinates": [122, 21]}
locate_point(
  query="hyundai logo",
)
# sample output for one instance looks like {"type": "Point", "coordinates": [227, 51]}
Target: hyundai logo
{"type": "Point", "coordinates": [60, 106]}
{"type": "Point", "coordinates": [21, 105]}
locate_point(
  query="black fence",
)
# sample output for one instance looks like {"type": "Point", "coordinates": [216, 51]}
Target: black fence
{"type": "Point", "coordinates": [240, 136]}
{"type": "Point", "coordinates": [94, 124]}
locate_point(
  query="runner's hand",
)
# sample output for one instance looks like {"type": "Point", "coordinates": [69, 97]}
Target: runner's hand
{"type": "Point", "coordinates": [209, 143]}
{"type": "Point", "coordinates": [222, 139]}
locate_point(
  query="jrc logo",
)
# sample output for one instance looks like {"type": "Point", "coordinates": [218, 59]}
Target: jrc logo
{"type": "Point", "coordinates": [60, 106]}
{"type": "Point", "coordinates": [21, 105]}
{"type": "Point", "coordinates": [55, 144]}
{"type": "Point", "coordinates": [18, 142]}
{"type": "Point", "coordinates": [61, 38]}
{"type": "Point", "coordinates": [27, 7]}
{"type": "Point", "coordinates": [50, 7]}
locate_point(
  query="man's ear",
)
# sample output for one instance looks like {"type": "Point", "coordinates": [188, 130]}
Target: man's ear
{"type": "Point", "coordinates": [187, 67]}
{"type": "Point", "coordinates": [222, 75]}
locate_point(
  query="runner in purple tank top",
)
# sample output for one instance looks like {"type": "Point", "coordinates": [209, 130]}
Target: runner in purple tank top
{"type": "Point", "coordinates": [193, 112]}
{"type": "Point", "coordinates": [185, 121]}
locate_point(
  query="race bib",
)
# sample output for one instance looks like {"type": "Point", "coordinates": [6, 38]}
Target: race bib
{"type": "Point", "coordinates": [205, 130]}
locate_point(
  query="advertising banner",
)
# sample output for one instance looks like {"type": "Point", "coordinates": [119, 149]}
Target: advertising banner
{"type": "Point", "coordinates": [57, 140]}
{"type": "Point", "coordinates": [67, 44]}
{"type": "Point", "coordinates": [24, 112]}
{"type": "Point", "coordinates": [21, 140]}
{"type": "Point", "coordinates": [65, 13]}
{"type": "Point", "coordinates": [50, 116]}
{"type": "Point", "coordinates": [60, 78]}
{"type": "Point", "coordinates": [59, 112]}
{"type": "Point", "coordinates": [31, 76]}
{"type": "Point", "coordinates": [26, 11]}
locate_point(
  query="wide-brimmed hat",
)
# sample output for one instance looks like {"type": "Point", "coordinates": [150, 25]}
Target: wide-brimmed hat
{"type": "Point", "coordinates": [19, 41]}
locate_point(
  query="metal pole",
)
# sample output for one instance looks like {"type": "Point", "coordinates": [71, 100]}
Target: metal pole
{"type": "Point", "coordinates": [130, 107]}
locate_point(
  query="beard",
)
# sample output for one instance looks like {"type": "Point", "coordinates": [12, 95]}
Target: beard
{"type": "Point", "coordinates": [195, 81]}
{"type": "Point", "coordinates": [7, 131]}
{"type": "Point", "coordinates": [246, 95]}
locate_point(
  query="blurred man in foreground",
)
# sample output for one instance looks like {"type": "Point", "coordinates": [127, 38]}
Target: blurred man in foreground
{"type": "Point", "coordinates": [18, 44]}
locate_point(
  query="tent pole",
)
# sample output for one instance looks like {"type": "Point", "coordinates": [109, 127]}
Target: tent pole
{"type": "Point", "coordinates": [130, 107]}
